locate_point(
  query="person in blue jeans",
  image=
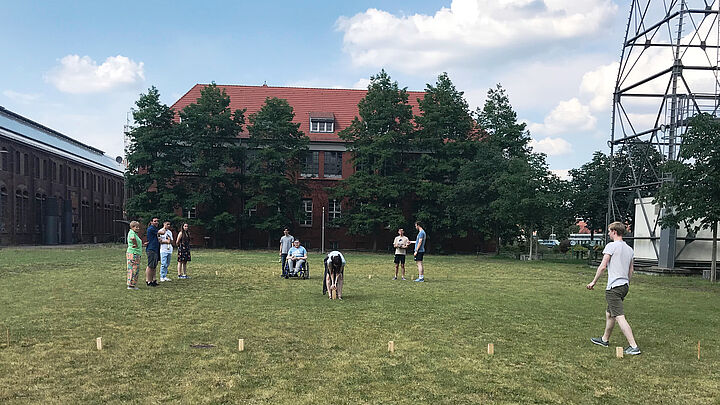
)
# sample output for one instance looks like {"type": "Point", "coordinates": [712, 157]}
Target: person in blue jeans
{"type": "Point", "coordinates": [166, 249]}
{"type": "Point", "coordinates": [419, 251]}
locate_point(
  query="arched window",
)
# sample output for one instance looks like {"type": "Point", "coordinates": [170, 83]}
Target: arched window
{"type": "Point", "coordinates": [22, 200]}
{"type": "Point", "coordinates": [40, 204]}
{"type": "Point", "coordinates": [3, 207]}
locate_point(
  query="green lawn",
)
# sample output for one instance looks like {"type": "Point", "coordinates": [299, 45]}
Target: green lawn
{"type": "Point", "coordinates": [301, 348]}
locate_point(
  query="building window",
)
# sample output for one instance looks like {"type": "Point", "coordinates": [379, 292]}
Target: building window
{"type": "Point", "coordinates": [40, 207]}
{"type": "Point", "coordinates": [22, 200]}
{"type": "Point", "coordinates": [334, 211]}
{"type": "Point", "coordinates": [62, 174]}
{"type": "Point", "coordinates": [333, 165]}
{"type": "Point", "coordinates": [26, 164]}
{"type": "Point", "coordinates": [311, 164]}
{"type": "Point", "coordinates": [3, 207]}
{"type": "Point", "coordinates": [191, 213]}
{"type": "Point", "coordinates": [253, 211]}
{"type": "Point", "coordinates": [322, 125]}
{"type": "Point", "coordinates": [17, 162]}
{"type": "Point", "coordinates": [4, 157]}
{"type": "Point", "coordinates": [307, 205]}
{"type": "Point", "coordinates": [54, 173]}
{"type": "Point", "coordinates": [334, 245]}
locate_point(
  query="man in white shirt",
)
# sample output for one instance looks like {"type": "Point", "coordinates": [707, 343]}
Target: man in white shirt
{"type": "Point", "coordinates": [334, 273]}
{"type": "Point", "coordinates": [166, 249]}
{"type": "Point", "coordinates": [618, 258]}
{"type": "Point", "coordinates": [400, 244]}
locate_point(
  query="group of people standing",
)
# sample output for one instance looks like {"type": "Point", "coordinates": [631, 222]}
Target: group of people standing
{"type": "Point", "coordinates": [401, 243]}
{"type": "Point", "coordinates": [158, 248]}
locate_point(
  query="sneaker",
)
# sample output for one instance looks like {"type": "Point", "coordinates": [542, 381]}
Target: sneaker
{"type": "Point", "coordinates": [394, 278]}
{"type": "Point", "coordinates": [632, 350]}
{"type": "Point", "coordinates": [403, 279]}
{"type": "Point", "coordinates": [161, 279]}
{"type": "Point", "coordinates": [132, 287]}
{"type": "Point", "coordinates": [600, 342]}
{"type": "Point", "coordinates": [168, 279]}
{"type": "Point", "coordinates": [154, 283]}
{"type": "Point", "coordinates": [420, 280]}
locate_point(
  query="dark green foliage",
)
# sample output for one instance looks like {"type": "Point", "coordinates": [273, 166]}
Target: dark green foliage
{"type": "Point", "coordinates": [212, 154]}
{"type": "Point", "coordinates": [380, 147]}
{"type": "Point", "coordinates": [274, 166]}
{"type": "Point", "coordinates": [447, 137]}
{"type": "Point", "coordinates": [590, 191]}
{"type": "Point", "coordinates": [153, 157]}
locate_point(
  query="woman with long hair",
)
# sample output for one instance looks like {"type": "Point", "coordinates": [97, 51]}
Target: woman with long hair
{"type": "Point", "coordinates": [183, 245]}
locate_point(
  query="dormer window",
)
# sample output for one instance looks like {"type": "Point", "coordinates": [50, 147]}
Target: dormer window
{"type": "Point", "coordinates": [322, 122]}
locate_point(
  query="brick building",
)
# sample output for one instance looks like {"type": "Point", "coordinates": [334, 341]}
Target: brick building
{"type": "Point", "coordinates": [321, 113]}
{"type": "Point", "coordinates": [54, 189]}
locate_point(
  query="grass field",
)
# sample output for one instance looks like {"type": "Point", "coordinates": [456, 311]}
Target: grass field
{"type": "Point", "coordinates": [301, 348]}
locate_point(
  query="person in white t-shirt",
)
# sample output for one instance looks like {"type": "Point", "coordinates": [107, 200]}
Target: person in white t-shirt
{"type": "Point", "coordinates": [400, 244]}
{"type": "Point", "coordinates": [166, 249]}
{"type": "Point", "coordinates": [618, 258]}
{"type": "Point", "coordinates": [334, 273]}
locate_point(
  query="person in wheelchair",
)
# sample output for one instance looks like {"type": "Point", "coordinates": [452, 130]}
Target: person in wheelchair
{"type": "Point", "coordinates": [297, 255]}
{"type": "Point", "coordinates": [334, 273]}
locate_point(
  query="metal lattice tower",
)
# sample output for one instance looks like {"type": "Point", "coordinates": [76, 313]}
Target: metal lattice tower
{"type": "Point", "coordinates": [668, 73]}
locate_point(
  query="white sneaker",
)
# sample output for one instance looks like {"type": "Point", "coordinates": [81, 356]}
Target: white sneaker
{"type": "Point", "coordinates": [161, 279]}
{"type": "Point", "coordinates": [168, 279]}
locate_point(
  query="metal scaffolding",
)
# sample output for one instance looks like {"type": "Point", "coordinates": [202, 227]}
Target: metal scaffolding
{"type": "Point", "coordinates": [668, 73]}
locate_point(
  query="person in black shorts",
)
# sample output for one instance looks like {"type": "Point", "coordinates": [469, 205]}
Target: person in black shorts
{"type": "Point", "coordinates": [400, 244]}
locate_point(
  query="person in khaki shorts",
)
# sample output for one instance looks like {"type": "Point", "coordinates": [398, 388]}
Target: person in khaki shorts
{"type": "Point", "coordinates": [618, 258]}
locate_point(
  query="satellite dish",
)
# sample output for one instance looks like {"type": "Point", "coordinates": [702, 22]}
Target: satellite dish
{"type": "Point", "coordinates": [119, 159]}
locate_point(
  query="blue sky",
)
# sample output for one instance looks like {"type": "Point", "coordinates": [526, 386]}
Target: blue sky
{"type": "Point", "coordinates": [78, 66]}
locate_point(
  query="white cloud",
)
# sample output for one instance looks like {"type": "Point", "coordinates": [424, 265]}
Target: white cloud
{"type": "Point", "coordinates": [81, 75]}
{"type": "Point", "coordinates": [551, 146]}
{"type": "Point", "coordinates": [23, 98]}
{"type": "Point", "coordinates": [569, 116]}
{"type": "Point", "coordinates": [599, 85]}
{"type": "Point", "coordinates": [468, 30]}
{"type": "Point", "coordinates": [564, 174]}
{"type": "Point", "coordinates": [361, 84]}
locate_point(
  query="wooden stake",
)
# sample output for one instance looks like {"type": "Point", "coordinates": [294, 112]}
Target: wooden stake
{"type": "Point", "coordinates": [334, 294]}
{"type": "Point", "coordinates": [491, 348]}
{"type": "Point", "coordinates": [216, 273]}
{"type": "Point", "coordinates": [98, 341]}
{"type": "Point", "coordinates": [391, 346]}
{"type": "Point", "coordinates": [619, 352]}
{"type": "Point", "coordinates": [698, 350]}
{"type": "Point", "coordinates": [7, 334]}
{"type": "Point", "coordinates": [241, 344]}
{"type": "Point", "coordinates": [369, 276]}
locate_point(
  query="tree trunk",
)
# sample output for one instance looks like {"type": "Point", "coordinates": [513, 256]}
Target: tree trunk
{"type": "Point", "coordinates": [374, 248]}
{"type": "Point", "coordinates": [713, 264]}
{"type": "Point", "coordinates": [269, 240]}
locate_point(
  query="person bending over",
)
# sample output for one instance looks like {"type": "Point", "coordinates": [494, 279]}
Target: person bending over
{"type": "Point", "coordinates": [334, 273]}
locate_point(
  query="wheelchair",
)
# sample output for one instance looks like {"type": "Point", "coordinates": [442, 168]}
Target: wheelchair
{"type": "Point", "coordinates": [303, 273]}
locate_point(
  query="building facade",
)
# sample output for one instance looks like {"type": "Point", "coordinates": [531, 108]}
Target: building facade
{"type": "Point", "coordinates": [54, 189]}
{"type": "Point", "coordinates": [322, 114]}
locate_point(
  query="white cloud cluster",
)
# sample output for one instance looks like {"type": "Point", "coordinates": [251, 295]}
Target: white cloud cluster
{"type": "Point", "coordinates": [468, 30]}
{"type": "Point", "coordinates": [82, 75]}
{"type": "Point", "coordinates": [567, 117]}
{"type": "Point", "coordinates": [551, 146]}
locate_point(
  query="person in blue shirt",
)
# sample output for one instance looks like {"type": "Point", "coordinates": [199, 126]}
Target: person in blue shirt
{"type": "Point", "coordinates": [419, 251]}
{"type": "Point", "coordinates": [297, 255]}
{"type": "Point", "coordinates": [153, 251]}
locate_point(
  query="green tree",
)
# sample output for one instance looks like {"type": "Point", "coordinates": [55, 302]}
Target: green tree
{"type": "Point", "coordinates": [379, 142]}
{"type": "Point", "coordinates": [693, 191]}
{"type": "Point", "coordinates": [590, 191]}
{"type": "Point", "coordinates": [153, 156]}
{"type": "Point", "coordinates": [278, 146]}
{"type": "Point", "coordinates": [447, 139]}
{"type": "Point", "coordinates": [212, 156]}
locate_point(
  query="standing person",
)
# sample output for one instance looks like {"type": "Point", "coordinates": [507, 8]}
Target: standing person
{"type": "Point", "coordinates": [153, 251]}
{"type": "Point", "coordinates": [133, 254]}
{"type": "Point", "coordinates": [296, 257]}
{"type": "Point", "coordinates": [400, 243]}
{"type": "Point", "coordinates": [419, 251]}
{"type": "Point", "coordinates": [334, 273]}
{"type": "Point", "coordinates": [166, 249]}
{"type": "Point", "coordinates": [618, 258]}
{"type": "Point", "coordinates": [183, 245]}
{"type": "Point", "coordinates": [286, 243]}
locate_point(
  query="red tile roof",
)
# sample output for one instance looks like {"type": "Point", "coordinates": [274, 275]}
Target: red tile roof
{"type": "Point", "coordinates": [343, 103]}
